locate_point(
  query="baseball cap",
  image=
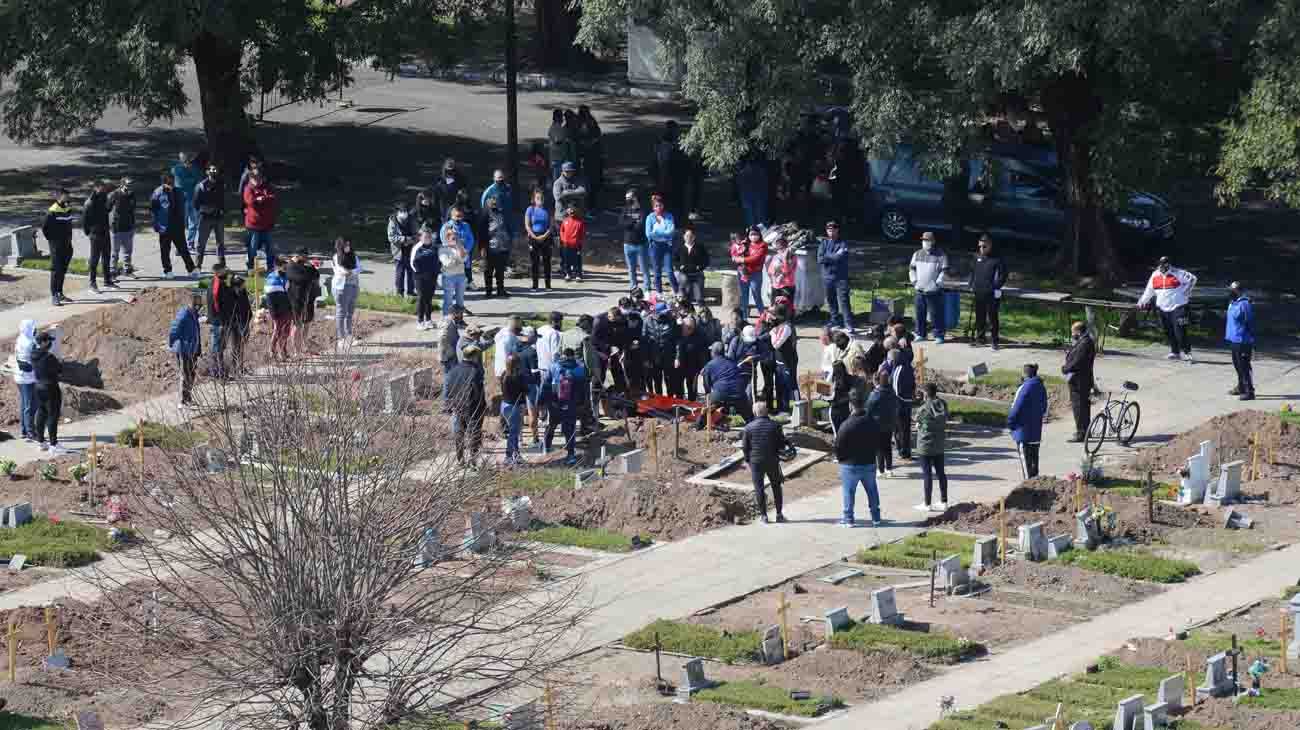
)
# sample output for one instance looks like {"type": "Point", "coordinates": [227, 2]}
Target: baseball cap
{"type": "Point", "coordinates": [568, 167]}
{"type": "Point", "coordinates": [832, 224]}
{"type": "Point", "coordinates": [661, 307]}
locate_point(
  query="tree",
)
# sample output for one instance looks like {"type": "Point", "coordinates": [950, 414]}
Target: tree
{"type": "Point", "coordinates": [1124, 89]}
{"type": "Point", "coordinates": [67, 62]}
{"type": "Point", "coordinates": [327, 582]}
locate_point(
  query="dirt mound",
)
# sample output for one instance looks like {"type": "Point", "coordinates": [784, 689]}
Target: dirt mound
{"type": "Point", "coordinates": [672, 716]}
{"type": "Point", "coordinates": [1231, 434]}
{"type": "Point", "coordinates": [663, 510]}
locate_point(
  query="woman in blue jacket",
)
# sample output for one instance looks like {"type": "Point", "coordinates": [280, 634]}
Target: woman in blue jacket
{"type": "Point", "coordinates": [659, 230]}
{"type": "Point", "coordinates": [1026, 420]}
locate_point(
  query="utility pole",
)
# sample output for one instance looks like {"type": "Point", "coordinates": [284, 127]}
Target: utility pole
{"type": "Point", "coordinates": [512, 105]}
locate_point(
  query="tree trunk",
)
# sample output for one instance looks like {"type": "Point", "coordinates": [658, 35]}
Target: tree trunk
{"type": "Point", "coordinates": [557, 27]}
{"type": "Point", "coordinates": [225, 124]}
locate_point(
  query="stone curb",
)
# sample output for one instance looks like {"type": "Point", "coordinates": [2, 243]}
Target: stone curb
{"type": "Point", "coordinates": [535, 81]}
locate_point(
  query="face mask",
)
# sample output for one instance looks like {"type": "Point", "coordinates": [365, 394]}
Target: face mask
{"type": "Point", "coordinates": [401, 217]}
{"type": "Point", "coordinates": [450, 179]}
{"type": "Point", "coordinates": [927, 245]}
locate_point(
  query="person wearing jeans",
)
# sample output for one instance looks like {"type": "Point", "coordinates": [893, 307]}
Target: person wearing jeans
{"type": "Point", "coordinates": [749, 254]}
{"type": "Point", "coordinates": [345, 286]}
{"type": "Point", "coordinates": [931, 432]}
{"type": "Point", "coordinates": [659, 231]}
{"type": "Point", "coordinates": [261, 209]}
{"type": "Point", "coordinates": [1240, 335]}
{"type": "Point", "coordinates": [634, 252]}
{"type": "Point", "coordinates": [121, 221]}
{"type": "Point", "coordinates": [833, 257]}
{"type": "Point", "coordinates": [25, 377]}
{"type": "Point", "coordinates": [451, 254]}
{"type": "Point", "coordinates": [210, 204]}
{"type": "Point", "coordinates": [402, 235]}
{"type": "Point", "coordinates": [855, 449]}
{"type": "Point", "coordinates": [926, 272]}
{"type": "Point", "coordinates": [515, 386]}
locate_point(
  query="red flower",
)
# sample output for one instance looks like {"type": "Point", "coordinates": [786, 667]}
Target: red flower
{"type": "Point", "coordinates": [356, 375]}
{"type": "Point", "coordinates": [54, 519]}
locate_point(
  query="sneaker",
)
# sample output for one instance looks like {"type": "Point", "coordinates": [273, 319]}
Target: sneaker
{"type": "Point", "coordinates": [94, 288]}
{"type": "Point", "coordinates": [1171, 356]}
{"type": "Point", "coordinates": [1075, 439]}
{"type": "Point", "coordinates": [1235, 391]}
{"type": "Point", "coordinates": [922, 508]}
{"type": "Point", "coordinates": [994, 347]}
{"type": "Point", "coordinates": [942, 507]}
{"type": "Point", "coordinates": [1246, 396]}
{"type": "Point", "coordinates": [876, 523]}
{"type": "Point", "coordinates": [56, 301]}
{"type": "Point", "coordinates": [847, 523]}
{"type": "Point", "coordinates": [55, 450]}
{"type": "Point", "coordinates": [1187, 357]}
{"type": "Point", "coordinates": [764, 520]}
{"type": "Point", "coordinates": [891, 474]}
{"type": "Point", "coordinates": [130, 270]}
{"type": "Point", "coordinates": [112, 285]}
{"type": "Point", "coordinates": [168, 275]}
{"type": "Point", "coordinates": [938, 340]}
{"type": "Point", "coordinates": [781, 518]}
{"type": "Point", "coordinates": [571, 461]}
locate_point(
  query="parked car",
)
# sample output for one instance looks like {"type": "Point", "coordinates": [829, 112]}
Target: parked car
{"type": "Point", "coordinates": [1013, 192]}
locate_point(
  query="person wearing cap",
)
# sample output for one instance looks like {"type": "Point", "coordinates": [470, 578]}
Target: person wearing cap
{"type": "Point", "coordinates": [464, 398]}
{"type": "Point", "coordinates": [833, 257]}
{"type": "Point", "coordinates": [748, 254]}
{"type": "Point", "coordinates": [186, 342]}
{"type": "Point", "coordinates": [447, 188]}
{"type": "Point", "coordinates": [303, 288]}
{"type": "Point", "coordinates": [94, 223]}
{"type": "Point", "coordinates": [569, 190]}
{"type": "Point", "coordinates": [926, 272]}
{"type": "Point", "coordinates": [660, 228]}
{"type": "Point", "coordinates": [693, 259]}
{"type": "Point", "coordinates": [987, 276]}
{"type": "Point", "coordinates": [1240, 333]}
{"type": "Point", "coordinates": [1171, 289]}
{"type": "Point", "coordinates": [1025, 420]}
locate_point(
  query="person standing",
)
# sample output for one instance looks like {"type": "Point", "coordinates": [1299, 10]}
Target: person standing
{"type": "Point", "coordinates": [498, 249]}
{"type": "Point", "coordinates": [426, 215]}
{"type": "Point", "coordinates": [447, 189]}
{"type": "Point", "coordinates": [856, 441]}
{"type": "Point", "coordinates": [762, 442]}
{"type": "Point", "coordinates": [1171, 289]}
{"type": "Point", "coordinates": [185, 341]}
{"type": "Point", "coordinates": [466, 402]}
{"type": "Point", "coordinates": [926, 272]}
{"type": "Point", "coordinates": [456, 221]}
{"type": "Point", "coordinates": [784, 339]}
{"type": "Point", "coordinates": [345, 286]}
{"type": "Point", "coordinates": [591, 154]}
{"type": "Point", "coordinates": [25, 378]}
{"type": "Point", "coordinates": [564, 391]}
{"type": "Point", "coordinates": [903, 379]}
{"type": "Point", "coordinates": [1025, 420]}
{"type": "Point", "coordinates": [548, 341]}
{"type": "Point", "coordinates": [748, 254]}
{"type": "Point", "coordinates": [1079, 377]}
{"type": "Point", "coordinates": [568, 190]}
{"type": "Point", "coordinates": [844, 387]}
{"type": "Point", "coordinates": [668, 168]}
{"type": "Point", "coordinates": [47, 370]}
{"type": "Point", "coordinates": [57, 230]}
{"type": "Point", "coordinates": [659, 231]}
{"type": "Point", "coordinates": [833, 256]}
{"type": "Point", "coordinates": [402, 236]}
{"type": "Point", "coordinates": [453, 321]}
{"type": "Point", "coordinates": [561, 145]}
{"type": "Point", "coordinates": [185, 173]}
{"type": "Point", "coordinates": [505, 196]}
{"type": "Point", "coordinates": [241, 322]}
{"type": "Point", "coordinates": [169, 223]}
{"type": "Point", "coordinates": [425, 265]}
{"type": "Point", "coordinates": [121, 221]}
{"type": "Point", "coordinates": [781, 268]}
{"type": "Point", "coordinates": [882, 408]}
{"type": "Point", "coordinates": [526, 351]}
{"type": "Point", "coordinates": [663, 335]}
{"type": "Point", "coordinates": [692, 356]}
{"type": "Point", "coordinates": [693, 258]}
{"type": "Point", "coordinates": [220, 308]}
{"type": "Point", "coordinates": [505, 343]}
{"type": "Point", "coordinates": [275, 298]}
{"type": "Point", "coordinates": [210, 204]}
{"type": "Point", "coordinates": [573, 235]}
{"type": "Point", "coordinates": [452, 256]}
{"type": "Point", "coordinates": [1240, 334]}
{"type": "Point", "coordinates": [931, 433]}
{"type": "Point", "coordinates": [987, 277]}
{"type": "Point", "coordinates": [94, 223]}
{"type": "Point", "coordinates": [303, 287]}
{"type": "Point", "coordinates": [537, 224]}
{"type": "Point", "coordinates": [261, 208]}
{"type": "Point", "coordinates": [515, 385]}
{"type": "Point", "coordinates": [634, 252]}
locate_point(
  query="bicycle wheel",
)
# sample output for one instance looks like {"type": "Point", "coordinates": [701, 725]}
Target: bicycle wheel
{"type": "Point", "coordinates": [1127, 425]}
{"type": "Point", "coordinates": [1096, 434]}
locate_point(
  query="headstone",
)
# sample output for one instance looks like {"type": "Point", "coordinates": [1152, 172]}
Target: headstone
{"type": "Point", "coordinates": [1081, 725]}
{"type": "Point", "coordinates": [1207, 451]}
{"type": "Point", "coordinates": [950, 574]}
{"type": "Point", "coordinates": [216, 461]}
{"type": "Point", "coordinates": [1293, 649]}
{"type": "Point", "coordinates": [801, 414]}
{"type": "Point", "coordinates": [773, 646]}
{"type": "Point", "coordinates": [986, 554]}
{"type": "Point", "coordinates": [1228, 490]}
{"type": "Point", "coordinates": [422, 382]}
{"type": "Point", "coordinates": [479, 538]}
{"type": "Point", "coordinates": [630, 462]}
{"type": "Point", "coordinates": [57, 660]}
{"type": "Point", "coordinates": [519, 510]}
{"type": "Point", "coordinates": [581, 478]}
{"type": "Point", "coordinates": [1172, 690]}
{"type": "Point", "coordinates": [22, 242]}
{"type": "Point", "coordinates": [1057, 546]}
{"type": "Point", "coordinates": [248, 445]}
{"type": "Point", "coordinates": [1033, 543]}
{"type": "Point", "coordinates": [837, 619]}
{"type": "Point", "coordinates": [523, 717]}
{"type": "Point", "coordinates": [397, 394]}
{"type": "Point", "coordinates": [840, 576]}
{"type": "Point", "coordinates": [1217, 682]}
{"type": "Point", "coordinates": [884, 610]}
{"type": "Point", "coordinates": [1126, 711]}
{"type": "Point", "coordinates": [976, 370]}
{"type": "Point", "coordinates": [17, 562]}
{"type": "Point", "coordinates": [693, 676]}
{"type": "Point", "coordinates": [89, 721]}
{"type": "Point", "coordinates": [427, 553]}
{"type": "Point", "coordinates": [19, 514]}
{"type": "Point", "coordinates": [1192, 487]}
{"type": "Point", "coordinates": [1087, 535]}
{"type": "Point", "coordinates": [1234, 520]}
{"type": "Point", "coordinates": [1154, 716]}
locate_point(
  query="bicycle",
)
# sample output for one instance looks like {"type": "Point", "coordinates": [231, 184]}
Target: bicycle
{"type": "Point", "coordinates": [1119, 418]}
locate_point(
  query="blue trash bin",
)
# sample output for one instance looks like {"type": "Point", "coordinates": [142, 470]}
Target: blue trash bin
{"type": "Point", "coordinates": [951, 311]}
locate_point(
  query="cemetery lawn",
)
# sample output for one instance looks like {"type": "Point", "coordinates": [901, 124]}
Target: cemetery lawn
{"type": "Point", "coordinates": [54, 544]}
{"type": "Point", "coordinates": [536, 480]}
{"type": "Point", "coordinates": [78, 266]}
{"type": "Point", "coordinates": [1291, 417]}
{"type": "Point", "coordinates": [1134, 487]}
{"type": "Point", "coordinates": [1274, 698]}
{"type": "Point", "coordinates": [761, 696]}
{"type": "Point", "coordinates": [1132, 564]}
{"type": "Point", "coordinates": [977, 412]}
{"type": "Point", "coordinates": [916, 552]}
{"type": "Point", "coordinates": [1213, 642]}
{"type": "Point", "coordinates": [592, 539]}
{"type": "Point", "coordinates": [378, 302]}
{"type": "Point", "coordinates": [12, 721]}
{"type": "Point", "coordinates": [699, 641]}
{"type": "Point", "coordinates": [161, 435]}
{"type": "Point", "coordinates": [1008, 378]}
{"type": "Point", "coordinates": [868, 637]}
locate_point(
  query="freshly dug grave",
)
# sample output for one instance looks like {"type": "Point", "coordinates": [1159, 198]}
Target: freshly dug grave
{"type": "Point", "coordinates": [1231, 434]}
{"type": "Point", "coordinates": [1058, 396]}
{"type": "Point", "coordinates": [1065, 589]}
{"type": "Point", "coordinates": [669, 716]}
{"type": "Point", "coordinates": [665, 510]}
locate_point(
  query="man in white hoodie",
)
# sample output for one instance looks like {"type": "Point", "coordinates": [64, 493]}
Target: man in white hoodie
{"type": "Point", "coordinates": [548, 342]}
{"type": "Point", "coordinates": [926, 273]}
{"type": "Point", "coordinates": [1171, 288]}
{"type": "Point", "coordinates": [25, 378]}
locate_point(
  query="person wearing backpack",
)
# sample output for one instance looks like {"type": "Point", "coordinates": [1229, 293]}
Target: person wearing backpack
{"type": "Point", "coordinates": [564, 391]}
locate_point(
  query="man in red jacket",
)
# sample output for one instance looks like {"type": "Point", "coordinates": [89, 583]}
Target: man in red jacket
{"type": "Point", "coordinates": [261, 208]}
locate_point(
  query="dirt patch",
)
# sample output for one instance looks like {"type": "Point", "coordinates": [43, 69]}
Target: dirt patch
{"type": "Point", "coordinates": [1062, 589]}
{"type": "Point", "coordinates": [671, 716]}
{"type": "Point", "coordinates": [1231, 434]}
{"type": "Point", "coordinates": [663, 510]}
{"type": "Point", "coordinates": [1058, 396]}
{"type": "Point", "coordinates": [852, 676]}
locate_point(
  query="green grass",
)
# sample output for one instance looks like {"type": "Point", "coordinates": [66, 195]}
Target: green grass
{"type": "Point", "coordinates": [1007, 378]}
{"type": "Point", "coordinates": [1127, 487]}
{"type": "Point", "coordinates": [12, 721]}
{"type": "Point", "coordinates": [377, 302]}
{"type": "Point", "coordinates": [867, 637]}
{"type": "Point", "coordinates": [1291, 417]}
{"type": "Point", "coordinates": [605, 540]}
{"type": "Point", "coordinates": [1273, 698]}
{"type": "Point", "coordinates": [1289, 592]}
{"type": "Point", "coordinates": [54, 544]}
{"type": "Point", "coordinates": [700, 641]}
{"type": "Point", "coordinates": [1133, 564]}
{"type": "Point", "coordinates": [978, 412]}
{"type": "Point", "coordinates": [1213, 642]}
{"type": "Point", "coordinates": [916, 551]}
{"type": "Point", "coordinates": [536, 481]}
{"type": "Point", "coordinates": [760, 696]}
{"type": "Point", "coordinates": [43, 263]}
{"type": "Point", "coordinates": [163, 436]}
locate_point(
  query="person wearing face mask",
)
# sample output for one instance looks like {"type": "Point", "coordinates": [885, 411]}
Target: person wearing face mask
{"type": "Point", "coordinates": [498, 249]}
{"type": "Point", "coordinates": [748, 254]}
{"type": "Point", "coordinates": [426, 215]}
{"type": "Point", "coordinates": [781, 268]}
{"type": "Point", "coordinates": [501, 190]}
{"type": "Point", "coordinates": [569, 190]}
{"type": "Point", "coordinates": [57, 230]}
{"type": "Point", "coordinates": [693, 258]}
{"type": "Point", "coordinates": [121, 221]}
{"type": "Point", "coordinates": [457, 221]}
{"type": "Point", "coordinates": [402, 235]}
{"type": "Point", "coordinates": [633, 220]}
{"type": "Point", "coordinates": [186, 174]}
{"type": "Point", "coordinates": [1079, 378]}
{"type": "Point", "coordinates": [987, 277]}
{"type": "Point", "coordinates": [538, 226]}
{"type": "Point", "coordinates": [1025, 420]}
{"type": "Point", "coordinates": [1171, 288]}
{"type": "Point", "coordinates": [926, 272]}
{"type": "Point", "coordinates": [94, 223]}
{"type": "Point", "coordinates": [1240, 334]}
{"type": "Point", "coordinates": [447, 188]}
{"type": "Point", "coordinates": [659, 231]}
{"type": "Point", "coordinates": [210, 202]}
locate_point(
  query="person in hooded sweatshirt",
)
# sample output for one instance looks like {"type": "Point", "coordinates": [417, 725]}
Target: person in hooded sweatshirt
{"type": "Point", "coordinates": [49, 397]}
{"type": "Point", "coordinates": [185, 340]}
{"type": "Point", "coordinates": [426, 265]}
{"type": "Point", "coordinates": [931, 435]}
{"type": "Point", "coordinates": [94, 223]}
{"type": "Point", "coordinates": [1025, 420]}
{"type": "Point", "coordinates": [499, 238]}
{"type": "Point", "coordinates": [25, 378]}
{"type": "Point", "coordinates": [903, 378]}
{"type": "Point", "coordinates": [303, 288]}
{"type": "Point", "coordinates": [882, 409]}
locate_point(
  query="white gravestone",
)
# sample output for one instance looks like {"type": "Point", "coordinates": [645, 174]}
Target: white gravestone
{"type": "Point", "coordinates": [1058, 546]}
{"type": "Point", "coordinates": [986, 554]}
{"type": "Point", "coordinates": [1155, 716]}
{"type": "Point", "coordinates": [1127, 710]}
{"type": "Point", "coordinates": [1171, 692]}
{"type": "Point", "coordinates": [836, 619]}
{"type": "Point", "coordinates": [1228, 490]}
{"type": "Point", "coordinates": [1033, 544]}
{"type": "Point", "coordinates": [1293, 649]}
{"type": "Point", "coordinates": [883, 608]}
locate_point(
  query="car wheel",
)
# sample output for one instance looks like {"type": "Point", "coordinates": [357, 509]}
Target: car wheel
{"type": "Point", "coordinates": [894, 225]}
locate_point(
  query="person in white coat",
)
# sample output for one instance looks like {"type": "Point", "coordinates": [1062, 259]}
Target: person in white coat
{"type": "Point", "coordinates": [25, 378]}
{"type": "Point", "coordinates": [926, 272]}
{"type": "Point", "coordinates": [1171, 289]}
{"type": "Point", "coordinates": [548, 342]}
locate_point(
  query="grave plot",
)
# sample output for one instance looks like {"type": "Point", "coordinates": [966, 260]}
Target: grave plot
{"type": "Point", "coordinates": [1001, 385]}
{"type": "Point", "coordinates": [665, 716]}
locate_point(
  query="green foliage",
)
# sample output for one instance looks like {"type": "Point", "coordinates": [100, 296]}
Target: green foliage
{"type": "Point", "coordinates": [758, 695]}
{"type": "Point", "coordinates": [1289, 592]}
{"type": "Point", "coordinates": [1291, 417]}
{"type": "Point", "coordinates": [49, 472]}
{"type": "Point", "coordinates": [79, 471]}
{"type": "Point", "coordinates": [916, 552]}
{"type": "Point", "coordinates": [1274, 698]}
{"type": "Point", "coordinates": [1133, 564]}
{"type": "Point", "coordinates": [700, 641]}
{"type": "Point", "coordinates": [379, 302]}
{"type": "Point", "coordinates": [13, 721]}
{"type": "Point", "coordinates": [868, 637]}
{"type": "Point", "coordinates": [978, 412]}
{"type": "Point", "coordinates": [581, 537]}
{"type": "Point", "coordinates": [161, 435]}
{"type": "Point", "coordinates": [535, 481]}
{"type": "Point", "coordinates": [1007, 378]}
{"type": "Point", "coordinates": [1133, 487]}
{"type": "Point", "coordinates": [1213, 642]}
{"type": "Point", "coordinates": [78, 266]}
{"type": "Point", "coordinates": [8, 467]}
{"type": "Point", "coordinates": [54, 544]}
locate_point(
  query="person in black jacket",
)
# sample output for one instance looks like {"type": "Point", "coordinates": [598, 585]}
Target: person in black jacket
{"type": "Point", "coordinates": [663, 335]}
{"type": "Point", "coordinates": [241, 322]}
{"type": "Point", "coordinates": [634, 252]}
{"type": "Point", "coordinates": [447, 189]}
{"type": "Point", "coordinates": [875, 354]}
{"type": "Point", "coordinates": [692, 260]}
{"type": "Point", "coordinates": [761, 444]}
{"type": "Point", "coordinates": [94, 223]}
{"type": "Point", "coordinates": [220, 305]}
{"type": "Point", "coordinates": [856, 441]}
{"type": "Point", "coordinates": [987, 277]}
{"type": "Point", "coordinates": [610, 331]}
{"type": "Point", "coordinates": [903, 378]}
{"type": "Point", "coordinates": [57, 229]}
{"type": "Point", "coordinates": [882, 409]}
{"type": "Point", "coordinates": [466, 402]}
{"type": "Point", "coordinates": [1079, 378]}
{"type": "Point", "coordinates": [121, 221]}
{"type": "Point", "coordinates": [692, 356]}
{"type": "Point", "coordinates": [49, 397]}
{"type": "Point", "coordinates": [303, 288]}
{"type": "Point", "coordinates": [209, 201]}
